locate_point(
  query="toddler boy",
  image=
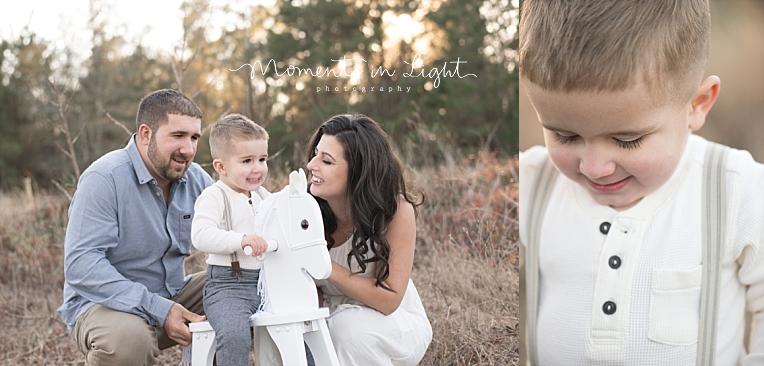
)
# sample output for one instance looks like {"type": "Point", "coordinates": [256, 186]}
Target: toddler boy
{"type": "Point", "coordinates": [618, 87]}
{"type": "Point", "coordinates": [223, 226]}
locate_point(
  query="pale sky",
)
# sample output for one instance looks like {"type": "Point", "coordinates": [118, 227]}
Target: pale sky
{"type": "Point", "coordinates": [154, 23]}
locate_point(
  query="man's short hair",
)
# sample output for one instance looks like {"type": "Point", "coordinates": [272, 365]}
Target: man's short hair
{"type": "Point", "coordinates": [231, 129]}
{"type": "Point", "coordinates": [155, 107]}
{"type": "Point", "coordinates": [611, 45]}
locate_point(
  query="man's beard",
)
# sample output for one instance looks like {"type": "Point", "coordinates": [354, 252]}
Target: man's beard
{"type": "Point", "coordinates": [162, 166]}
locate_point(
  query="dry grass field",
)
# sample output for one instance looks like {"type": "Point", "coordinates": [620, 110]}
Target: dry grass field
{"type": "Point", "coordinates": [465, 268]}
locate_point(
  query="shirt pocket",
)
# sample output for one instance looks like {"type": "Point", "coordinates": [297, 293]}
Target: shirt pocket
{"type": "Point", "coordinates": [675, 306]}
{"type": "Point", "coordinates": [184, 232]}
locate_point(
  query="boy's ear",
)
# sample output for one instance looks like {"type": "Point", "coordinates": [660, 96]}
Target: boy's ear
{"type": "Point", "coordinates": [219, 167]}
{"type": "Point", "coordinates": [703, 101]}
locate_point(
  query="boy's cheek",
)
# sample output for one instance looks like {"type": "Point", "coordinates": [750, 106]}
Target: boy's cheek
{"type": "Point", "coordinates": [563, 159]}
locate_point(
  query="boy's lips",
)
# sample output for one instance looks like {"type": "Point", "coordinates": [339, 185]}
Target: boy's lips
{"type": "Point", "coordinates": [608, 188]}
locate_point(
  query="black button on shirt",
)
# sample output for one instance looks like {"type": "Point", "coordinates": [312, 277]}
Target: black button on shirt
{"type": "Point", "coordinates": [605, 227]}
{"type": "Point", "coordinates": [608, 308]}
{"type": "Point", "coordinates": [614, 262]}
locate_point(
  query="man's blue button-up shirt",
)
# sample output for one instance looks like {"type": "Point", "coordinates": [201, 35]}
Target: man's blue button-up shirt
{"type": "Point", "coordinates": [124, 246]}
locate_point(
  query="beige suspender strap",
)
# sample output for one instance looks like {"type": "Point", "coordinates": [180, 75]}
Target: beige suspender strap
{"type": "Point", "coordinates": [713, 214]}
{"type": "Point", "coordinates": [228, 225]}
{"type": "Point", "coordinates": [540, 192]}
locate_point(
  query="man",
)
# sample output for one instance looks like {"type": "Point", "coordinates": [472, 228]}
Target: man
{"type": "Point", "coordinates": [125, 295]}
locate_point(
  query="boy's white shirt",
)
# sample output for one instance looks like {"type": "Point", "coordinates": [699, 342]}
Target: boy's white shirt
{"type": "Point", "coordinates": [656, 289]}
{"type": "Point", "coordinates": [206, 232]}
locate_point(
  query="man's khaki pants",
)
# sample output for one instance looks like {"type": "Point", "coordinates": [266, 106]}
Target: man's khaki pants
{"type": "Point", "coordinates": [110, 337]}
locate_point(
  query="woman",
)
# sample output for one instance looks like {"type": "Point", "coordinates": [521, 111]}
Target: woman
{"type": "Point", "coordinates": [370, 224]}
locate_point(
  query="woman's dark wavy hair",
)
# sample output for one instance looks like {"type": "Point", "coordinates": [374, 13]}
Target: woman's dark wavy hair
{"type": "Point", "coordinates": [375, 179]}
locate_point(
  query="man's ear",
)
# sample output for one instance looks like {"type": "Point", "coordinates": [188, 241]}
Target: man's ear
{"type": "Point", "coordinates": [144, 134]}
{"type": "Point", "coordinates": [219, 167]}
{"type": "Point", "coordinates": [703, 101]}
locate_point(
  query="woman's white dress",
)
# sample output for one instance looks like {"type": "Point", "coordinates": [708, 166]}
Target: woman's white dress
{"type": "Point", "coordinates": [364, 336]}
{"type": "Point", "coordinates": [360, 334]}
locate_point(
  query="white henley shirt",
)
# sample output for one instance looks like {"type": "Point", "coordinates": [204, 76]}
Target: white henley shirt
{"type": "Point", "coordinates": [649, 266]}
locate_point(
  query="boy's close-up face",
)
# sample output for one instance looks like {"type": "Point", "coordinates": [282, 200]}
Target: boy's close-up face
{"type": "Point", "coordinates": [618, 145]}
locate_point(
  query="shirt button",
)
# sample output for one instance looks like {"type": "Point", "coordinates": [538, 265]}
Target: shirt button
{"type": "Point", "coordinates": [158, 194]}
{"type": "Point", "coordinates": [608, 308]}
{"type": "Point", "coordinates": [605, 227]}
{"type": "Point", "coordinates": [614, 262]}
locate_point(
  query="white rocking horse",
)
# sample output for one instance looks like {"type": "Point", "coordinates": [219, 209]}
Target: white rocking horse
{"type": "Point", "coordinates": [291, 223]}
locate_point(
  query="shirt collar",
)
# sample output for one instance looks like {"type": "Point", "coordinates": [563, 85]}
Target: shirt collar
{"type": "Point", "coordinates": [141, 171]}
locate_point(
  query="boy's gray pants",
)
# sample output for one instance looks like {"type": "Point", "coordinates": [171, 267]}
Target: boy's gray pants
{"type": "Point", "coordinates": [229, 300]}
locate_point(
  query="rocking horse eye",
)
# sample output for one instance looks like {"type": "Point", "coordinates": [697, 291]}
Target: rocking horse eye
{"type": "Point", "coordinates": [304, 224]}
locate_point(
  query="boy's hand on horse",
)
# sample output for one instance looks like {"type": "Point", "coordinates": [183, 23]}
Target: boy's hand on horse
{"type": "Point", "coordinates": [256, 242]}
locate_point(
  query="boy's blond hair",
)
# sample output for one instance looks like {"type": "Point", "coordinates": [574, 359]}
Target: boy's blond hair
{"type": "Point", "coordinates": [611, 45]}
{"type": "Point", "coordinates": [231, 129]}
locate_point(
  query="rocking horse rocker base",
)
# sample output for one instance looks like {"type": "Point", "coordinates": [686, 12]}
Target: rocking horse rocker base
{"type": "Point", "coordinates": [288, 332]}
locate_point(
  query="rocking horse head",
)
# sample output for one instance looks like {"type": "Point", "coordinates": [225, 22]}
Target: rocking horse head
{"type": "Point", "coordinates": [292, 219]}
{"type": "Point", "coordinates": [301, 223]}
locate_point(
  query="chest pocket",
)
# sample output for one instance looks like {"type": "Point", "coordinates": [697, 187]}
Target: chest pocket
{"type": "Point", "coordinates": [184, 232]}
{"type": "Point", "coordinates": [675, 306]}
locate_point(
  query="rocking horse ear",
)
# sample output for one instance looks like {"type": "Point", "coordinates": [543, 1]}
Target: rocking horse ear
{"type": "Point", "coordinates": [298, 183]}
{"type": "Point", "coordinates": [293, 185]}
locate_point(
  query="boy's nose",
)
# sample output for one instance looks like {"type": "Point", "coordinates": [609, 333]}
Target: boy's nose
{"type": "Point", "coordinates": [595, 166]}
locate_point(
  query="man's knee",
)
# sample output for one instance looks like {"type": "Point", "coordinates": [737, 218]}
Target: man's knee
{"type": "Point", "coordinates": [109, 337]}
{"type": "Point", "coordinates": [123, 349]}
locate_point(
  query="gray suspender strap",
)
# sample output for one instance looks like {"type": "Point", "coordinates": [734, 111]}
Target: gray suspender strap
{"type": "Point", "coordinates": [228, 225]}
{"type": "Point", "coordinates": [529, 269]}
{"type": "Point", "coordinates": [713, 213]}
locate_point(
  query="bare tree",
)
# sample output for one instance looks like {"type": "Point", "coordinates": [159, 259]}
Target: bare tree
{"type": "Point", "coordinates": [62, 101]}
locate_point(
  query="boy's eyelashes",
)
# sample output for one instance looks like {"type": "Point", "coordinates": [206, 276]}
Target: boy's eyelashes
{"type": "Point", "coordinates": [249, 160]}
{"type": "Point", "coordinates": [632, 144]}
{"type": "Point", "coordinates": [624, 144]}
{"type": "Point", "coordinates": [563, 139]}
